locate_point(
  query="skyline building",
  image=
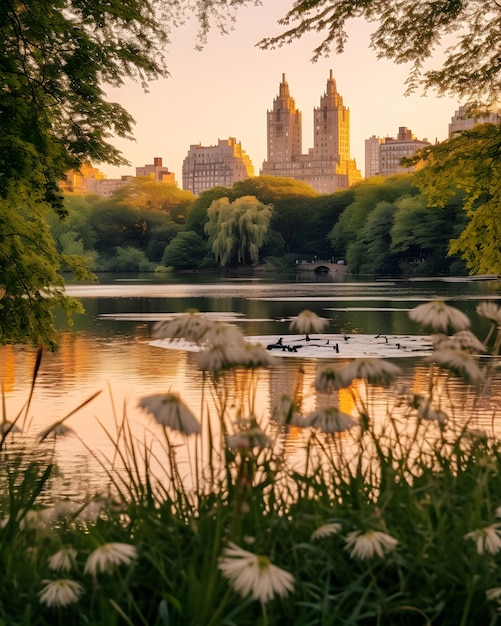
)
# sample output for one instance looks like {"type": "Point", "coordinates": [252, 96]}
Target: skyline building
{"type": "Point", "coordinates": [372, 156]}
{"type": "Point", "coordinates": [206, 167]}
{"type": "Point", "coordinates": [327, 167]}
{"type": "Point", "coordinates": [460, 121]}
{"type": "Point", "coordinates": [157, 171]}
{"type": "Point", "coordinates": [391, 151]}
{"type": "Point", "coordinates": [383, 155]}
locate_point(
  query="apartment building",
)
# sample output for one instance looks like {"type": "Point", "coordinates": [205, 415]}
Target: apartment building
{"type": "Point", "coordinates": [462, 120]}
{"type": "Point", "coordinates": [327, 166]}
{"type": "Point", "coordinates": [383, 155]}
{"type": "Point", "coordinates": [157, 171]}
{"type": "Point", "coordinates": [206, 167]}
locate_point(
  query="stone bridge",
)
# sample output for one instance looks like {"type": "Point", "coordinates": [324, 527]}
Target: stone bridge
{"type": "Point", "coordinates": [320, 266]}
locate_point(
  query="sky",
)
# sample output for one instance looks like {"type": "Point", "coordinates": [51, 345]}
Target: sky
{"type": "Point", "coordinates": [225, 90]}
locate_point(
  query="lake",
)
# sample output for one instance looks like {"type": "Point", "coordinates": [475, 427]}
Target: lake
{"type": "Point", "coordinates": [108, 349]}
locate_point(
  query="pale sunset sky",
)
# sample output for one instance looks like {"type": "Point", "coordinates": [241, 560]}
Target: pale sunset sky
{"type": "Point", "coordinates": [225, 90]}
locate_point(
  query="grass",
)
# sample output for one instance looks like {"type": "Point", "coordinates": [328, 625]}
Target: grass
{"type": "Point", "coordinates": [393, 521]}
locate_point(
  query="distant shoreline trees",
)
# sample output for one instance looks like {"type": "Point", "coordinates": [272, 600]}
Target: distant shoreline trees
{"type": "Point", "coordinates": [381, 226]}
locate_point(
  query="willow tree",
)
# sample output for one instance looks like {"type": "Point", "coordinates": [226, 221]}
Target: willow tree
{"type": "Point", "coordinates": [57, 58]}
{"type": "Point", "coordinates": [237, 230]}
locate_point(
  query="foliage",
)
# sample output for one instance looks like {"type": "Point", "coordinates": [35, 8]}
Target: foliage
{"type": "Point", "coordinates": [57, 57]}
{"type": "Point", "coordinates": [147, 194]}
{"type": "Point", "coordinates": [376, 241]}
{"type": "Point", "coordinates": [367, 195]}
{"type": "Point", "coordinates": [54, 114]}
{"type": "Point", "coordinates": [391, 516]}
{"type": "Point", "coordinates": [31, 287]}
{"type": "Point", "coordinates": [325, 212]}
{"type": "Point", "coordinates": [237, 231]}
{"type": "Point", "coordinates": [186, 251]}
{"type": "Point", "coordinates": [123, 226]}
{"type": "Point", "coordinates": [197, 216]}
{"type": "Point", "coordinates": [469, 162]}
{"type": "Point", "coordinates": [128, 259]}
{"type": "Point", "coordinates": [422, 233]}
{"type": "Point", "coordinates": [390, 228]}
{"type": "Point", "coordinates": [464, 35]}
{"type": "Point", "coordinates": [292, 200]}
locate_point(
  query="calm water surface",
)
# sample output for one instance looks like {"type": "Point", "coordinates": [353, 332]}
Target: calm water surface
{"type": "Point", "coordinates": [108, 348]}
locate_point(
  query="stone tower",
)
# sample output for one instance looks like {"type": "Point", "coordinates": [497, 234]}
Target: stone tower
{"type": "Point", "coordinates": [327, 167]}
{"type": "Point", "coordinates": [284, 127]}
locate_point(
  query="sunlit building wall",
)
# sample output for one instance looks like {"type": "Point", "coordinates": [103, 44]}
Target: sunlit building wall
{"type": "Point", "coordinates": [106, 187]}
{"type": "Point", "coordinates": [372, 165]}
{"type": "Point", "coordinates": [461, 120]}
{"type": "Point", "coordinates": [157, 171]}
{"type": "Point", "coordinates": [393, 150]}
{"type": "Point", "coordinates": [76, 180]}
{"type": "Point", "coordinates": [206, 167]}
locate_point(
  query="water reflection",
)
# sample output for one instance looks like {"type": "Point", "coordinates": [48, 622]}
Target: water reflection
{"type": "Point", "coordinates": [109, 350]}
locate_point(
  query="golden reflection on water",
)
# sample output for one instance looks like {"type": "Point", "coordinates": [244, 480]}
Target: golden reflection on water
{"type": "Point", "coordinates": [126, 369]}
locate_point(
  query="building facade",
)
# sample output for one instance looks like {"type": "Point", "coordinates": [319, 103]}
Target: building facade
{"type": "Point", "coordinates": [157, 172]}
{"type": "Point", "coordinates": [327, 167]}
{"type": "Point", "coordinates": [383, 155]}
{"type": "Point", "coordinates": [460, 120]}
{"type": "Point", "coordinates": [372, 156]}
{"type": "Point", "coordinates": [76, 180]}
{"type": "Point", "coordinates": [206, 167]}
{"type": "Point", "coordinates": [106, 187]}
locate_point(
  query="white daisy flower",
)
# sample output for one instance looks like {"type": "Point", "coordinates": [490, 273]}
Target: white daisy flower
{"type": "Point", "coordinates": [221, 332]}
{"type": "Point", "coordinates": [254, 574]}
{"type": "Point", "coordinates": [462, 340]}
{"type": "Point", "coordinates": [192, 326]}
{"type": "Point", "coordinates": [491, 311]}
{"type": "Point", "coordinates": [308, 322]}
{"type": "Point", "coordinates": [326, 530]}
{"type": "Point", "coordinates": [459, 362]}
{"type": "Point", "coordinates": [169, 410]}
{"type": "Point", "coordinates": [329, 420]}
{"type": "Point", "coordinates": [104, 558]}
{"type": "Point", "coordinates": [222, 356]}
{"type": "Point", "coordinates": [494, 594]}
{"type": "Point", "coordinates": [439, 316]}
{"type": "Point", "coordinates": [249, 438]}
{"type": "Point", "coordinates": [329, 379]}
{"type": "Point", "coordinates": [256, 355]}
{"type": "Point", "coordinates": [378, 372]}
{"type": "Point", "coordinates": [62, 560]}
{"type": "Point", "coordinates": [59, 593]}
{"type": "Point", "coordinates": [487, 539]}
{"type": "Point", "coordinates": [371, 543]}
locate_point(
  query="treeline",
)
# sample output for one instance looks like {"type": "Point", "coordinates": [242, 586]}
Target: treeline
{"type": "Point", "coordinates": [381, 226]}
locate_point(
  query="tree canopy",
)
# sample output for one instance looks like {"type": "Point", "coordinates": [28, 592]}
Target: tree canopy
{"type": "Point", "coordinates": [238, 230]}
{"type": "Point", "coordinates": [463, 34]}
{"type": "Point", "coordinates": [56, 59]}
{"type": "Point", "coordinates": [470, 162]}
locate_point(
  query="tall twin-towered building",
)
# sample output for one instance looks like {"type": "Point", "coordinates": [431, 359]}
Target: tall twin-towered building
{"type": "Point", "coordinates": [327, 166]}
